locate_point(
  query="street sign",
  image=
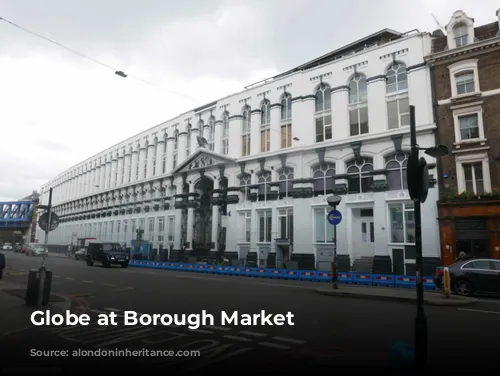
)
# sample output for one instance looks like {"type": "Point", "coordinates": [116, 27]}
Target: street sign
{"type": "Point", "coordinates": [44, 218]}
{"type": "Point", "coordinates": [334, 217]}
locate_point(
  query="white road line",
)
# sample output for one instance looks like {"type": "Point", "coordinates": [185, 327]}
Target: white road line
{"type": "Point", "coordinates": [282, 285]}
{"type": "Point", "coordinates": [98, 311]}
{"type": "Point", "coordinates": [87, 281]}
{"type": "Point", "coordinates": [252, 334]}
{"type": "Point", "coordinates": [274, 345]}
{"type": "Point", "coordinates": [478, 311]}
{"type": "Point", "coordinates": [289, 340]}
{"type": "Point", "coordinates": [202, 331]}
{"type": "Point", "coordinates": [71, 279]}
{"type": "Point", "coordinates": [218, 328]}
{"type": "Point", "coordinates": [236, 338]}
{"type": "Point", "coordinates": [113, 309]}
{"type": "Point", "coordinates": [123, 289]}
{"type": "Point", "coordinates": [56, 276]}
{"type": "Point", "coordinates": [205, 278]}
{"type": "Point", "coordinates": [109, 284]}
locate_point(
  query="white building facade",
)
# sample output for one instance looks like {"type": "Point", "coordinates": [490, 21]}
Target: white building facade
{"type": "Point", "coordinates": [273, 153]}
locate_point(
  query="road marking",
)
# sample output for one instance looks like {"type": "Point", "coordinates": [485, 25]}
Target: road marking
{"type": "Point", "coordinates": [236, 338]}
{"type": "Point", "coordinates": [489, 301]}
{"type": "Point", "coordinates": [109, 284]}
{"type": "Point", "coordinates": [113, 309]}
{"type": "Point", "coordinates": [252, 334]}
{"type": "Point", "coordinates": [123, 289]}
{"type": "Point", "coordinates": [205, 278]}
{"type": "Point", "coordinates": [87, 281]}
{"type": "Point", "coordinates": [98, 311]}
{"type": "Point", "coordinates": [274, 345]}
{"type": "Point", "coordinates": [218, 328]}
{"type": "Point", "coordinates": [202, 331]}
{"type": "Point", "coordinates": [478, 311]}
{"type": "Point", "coordinates": [71, 279]}
{"type": "Point", "coordinates": [56, 276]}
{"type": "Point", "coordinates": [290, 340]}
{"type": "Point", "coordinates": [282, 285]}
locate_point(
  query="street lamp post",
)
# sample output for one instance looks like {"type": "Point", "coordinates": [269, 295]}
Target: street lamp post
{"type": "Point", "coordinates": [418, 186]}
{"type": "Point", "coordinates": [41, 285]}
{"type": "Point", "coordinates": [333, 201]}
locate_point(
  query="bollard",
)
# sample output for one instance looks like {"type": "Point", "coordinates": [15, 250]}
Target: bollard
{"type": "Point", "coordinates": [335, 281]}
{"type": "Point", "coordinates": [446, 282]}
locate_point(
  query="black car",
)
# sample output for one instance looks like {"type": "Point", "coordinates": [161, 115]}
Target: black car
{"type": "Point", "coordinates": [472, 276]}
{"type": "Point", "coordinates": [107, 254]}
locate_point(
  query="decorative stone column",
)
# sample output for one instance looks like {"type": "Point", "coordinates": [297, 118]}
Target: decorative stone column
{"type": "Point", "coordinates": [179, 205]}
{"type": "Point", "coordinates": [114, 166]}
{"type": "Point", "coordinates": [191, 204]}
{"type": "Point", "coordinates": [215, 215]}
{"type": "Point", "coordinates": [134, 161]}
{"type": "Point", "coordinates": [142, 161]}
{"type": "Point", "coordinates": [170, 151]}
{"type": "Point", "coordinates": [150, 161]}
{"type": "Point", "coordinates": [126, 165]}
{"type": "Point", "coordinates": [121, 170]}
{"type": "Point", "coordinates": [255, 133]}
{"type": "Point", "coordinates": [160, 146]}
{"type": "Point", "coordinates": [195, 132]}
{"type": "Point", "coordinates": [275, 126]}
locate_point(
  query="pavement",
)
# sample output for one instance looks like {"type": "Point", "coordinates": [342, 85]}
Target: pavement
{"type": "Point", "coordinates": [328, 332]}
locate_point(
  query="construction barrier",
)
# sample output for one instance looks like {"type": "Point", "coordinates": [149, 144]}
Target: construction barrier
{"type": "Point", "coordinates": [387, 280]}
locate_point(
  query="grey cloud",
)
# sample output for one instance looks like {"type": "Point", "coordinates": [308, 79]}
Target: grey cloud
{"type": "Point", "coordinates": [54, 146]}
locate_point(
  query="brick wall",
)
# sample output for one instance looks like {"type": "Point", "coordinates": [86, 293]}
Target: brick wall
{"type": "Point", "coordinates": [489, 79]}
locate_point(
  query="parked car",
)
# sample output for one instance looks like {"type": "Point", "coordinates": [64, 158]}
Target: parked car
{"type": "Point", "coordinates": [81, 254]}
{"type": "Point", "coordinates": [107, 254]}
{"type": "Point", "coordinates": [473, 276]}
{"type": "Point", "coordinates": [7, 247]}
{"type": "Point", "coordinates": [36, 250]}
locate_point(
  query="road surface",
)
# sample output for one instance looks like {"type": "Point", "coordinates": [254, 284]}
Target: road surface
{"type": "Point", "coordinates": [328, 331]}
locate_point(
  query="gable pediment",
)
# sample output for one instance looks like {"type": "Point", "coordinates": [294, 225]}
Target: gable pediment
{"type": "Point", "coordinates": [202, 159]}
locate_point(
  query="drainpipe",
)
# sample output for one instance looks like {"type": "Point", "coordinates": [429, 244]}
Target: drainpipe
{"type": "Point", "coordinates": [439, 161]}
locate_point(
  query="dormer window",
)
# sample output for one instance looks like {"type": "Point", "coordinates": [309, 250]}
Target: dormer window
{"type": "Point", "coordinates": [461, 35]}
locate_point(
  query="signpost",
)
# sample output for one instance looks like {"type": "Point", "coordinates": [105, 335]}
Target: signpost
{"type": "Point", "coordinates": [44, 220]}
{"type": "Point", "coordinates": [334, 217]}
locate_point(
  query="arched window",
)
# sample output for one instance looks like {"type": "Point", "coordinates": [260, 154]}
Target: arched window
{"type": "Point", "coordinates": [176, 147]}
{"type": "Point", "coordinates": [358, 105]}
{"type": "Point", "coordinates": [396, 175]}
{"type": "Point", "coordinates": [324, 178]}
{"type": "Point", "coordinates": [286, 121]}
{"type": "Point", "coordinates": [398, 105]}
{"type": "Point", "coordinates": [245, 181]}
{"type": "Point", "coordinates": [285, 177]}
{"type": "Point", "coordinates": [155, 149]}
{"type": "Point", "coordinates": [211, 132]}
{"type": "Point", "coordinates": [265, 126]}
{"type": "Point", "coordinates": [323, 113]}
{"type": "Point", "coordinates": [164, 155]}
{"type": "Point", "coordinates": [146, 157]}
{"type": "Point", "coordinates": [263, 179]}
{"type": "Point", "coordinates": [225, 134]}
{"type": "Point", "coordinates": [245, 130]}
{"type": "Point", "coordinates": [359, 178]}
{"type": "Point", "coordinates": [188, 140]}
{"type": "Point", "coordinates": [461, 35]}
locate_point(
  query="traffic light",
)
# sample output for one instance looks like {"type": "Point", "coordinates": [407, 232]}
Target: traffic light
{"type": "Point", "coordinates": [417, 177]}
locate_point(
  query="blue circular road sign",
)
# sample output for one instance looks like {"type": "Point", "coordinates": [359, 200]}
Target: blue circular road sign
{"type": "Point", "coordinates": [334, 217]}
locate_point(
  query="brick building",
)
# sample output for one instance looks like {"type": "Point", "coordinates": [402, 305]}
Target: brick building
{"type": "Point", "coordinates": [465, 73]}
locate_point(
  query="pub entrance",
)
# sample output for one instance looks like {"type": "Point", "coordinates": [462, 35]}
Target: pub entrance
{"type": "Point", "coordinates": [472, 237]}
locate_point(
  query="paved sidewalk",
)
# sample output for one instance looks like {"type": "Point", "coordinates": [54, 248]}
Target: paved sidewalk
{"type": "Point", "coordinates": [394, 294]}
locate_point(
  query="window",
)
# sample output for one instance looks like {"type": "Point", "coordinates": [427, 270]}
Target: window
{"type": "Point", "coordinates": [396, 175]}
{"type": "Point", "coordinates": [188, 139]}
{"type": "Point", "coordinates": [211, 133]}
{"type": "Point", "coordinates": [118, 228]}
{"type": "Point", "coordinates": [324, 179]}
{"type": "Point", "coordinates": [469, 127]}
{"type": "Point", "coordinates": [125, 228]}
{"type": "Point", "coordinates": [245, 181]}
{"type": "Point", "coordinates": [402, 223]}
{"type": "Point", "coordinates": [286, 121]}
{"type": "Point", "coordinates": [161, 228]}
{"type": "Point", "coordinates": [265, 126]}
{"type": "Point", "coordinates": [473, 177]}
{"type": "Point", "coordinates": [111, 230]}
{"type": "Point", "coordinates": [142, 223]}
{"type": "Point", "coordinates": [225, 134]}
{"type": "Point", "coordinates": [478, 264]}
{"type": "Point", "coordinates": [146, 156]}
{"type": "Point", "coordinates": [398, 105]}
{"type": "Point", "coordinates": [176, 147]}
{"type": "Point", "coordinates": [461, 35]}
{"type": "Point", "coordinates": [359, 179]}
{"type": "Point", "coordinates": [358, 105]}
{"type": "Point", "coordinates": [133, 225]}
{"type": "Point", "coordinates": [245, 131]}
{"type": "Point", "coordinates": [171, 228]}
{"type": "Point", "coordinates": [246, 226]}
{"type": "Point", "coordinates": [323, 230]}
{"type": "Point", "coordinates": [265, 225]}
{"type": "Point", "coordinates": [263, 179]}
{"type": "Point", "coordinates": [285, 224]}
{"type": "Point", "coordinates": [323, 113]}
{"type": "Point", "coordinates": [285, 177]}
{"type": "Point", "coordinates": [465, 83]}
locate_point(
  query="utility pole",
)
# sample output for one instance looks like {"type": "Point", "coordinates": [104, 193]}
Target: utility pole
{"type": "Point", "coordinates": [334, 217]}
{"type": "Point", "coordinates": [41, 285]}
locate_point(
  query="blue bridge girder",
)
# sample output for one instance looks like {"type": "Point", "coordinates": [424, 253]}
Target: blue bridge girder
{"type": "Point", "coordinates": [16, 214]}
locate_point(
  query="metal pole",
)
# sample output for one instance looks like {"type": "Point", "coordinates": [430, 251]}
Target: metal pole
{"type": "Point", "coordinates": [41, 285]}
{"type": "Point", "coordinates": [335, 279]}
{"type": "Point", "coordinates": [421, 318]}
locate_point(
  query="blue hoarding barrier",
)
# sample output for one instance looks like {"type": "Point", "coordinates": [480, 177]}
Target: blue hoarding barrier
{"type": "Point", "coordinates": [429, 283]}
{"type": "Point", "coordinates": [200, 268]}
{"type": "Point", "coordinates": [344, 277]}
{"type": "Point", "coordinates": [275, 273]}
{"type": "Point", "coordinates": [383, 280]}
{"type": "Point", "coordinates": [290, 274]}
{"type": "Point", "coordinates": [307, 275]}
{"type": "Point", "coordinates": [234, 270]}
{"type": "Point", "coordinates": [191, 268]}
{"type": "Point", "coordinates": [324, 277]}
{"type": "Point", "coordinates": [405, 281]}
{"type": "Point", "coordinates": [247, 272]}
{"type": "Point", "coordinates": [362, 279]}
{"type": "Point", "coordinates": [261, 272]}
{"type": "Point", "coordinates": [212, 269]}
{"type": "Point", "coordinates": [223, 270]}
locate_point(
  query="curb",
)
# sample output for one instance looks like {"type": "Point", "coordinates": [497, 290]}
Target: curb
{"type": "Point", "coordinates": [454, 301]}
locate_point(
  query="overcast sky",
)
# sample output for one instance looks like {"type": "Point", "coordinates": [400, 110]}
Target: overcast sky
{"type": "Point", "coordinates": [56, 108]}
